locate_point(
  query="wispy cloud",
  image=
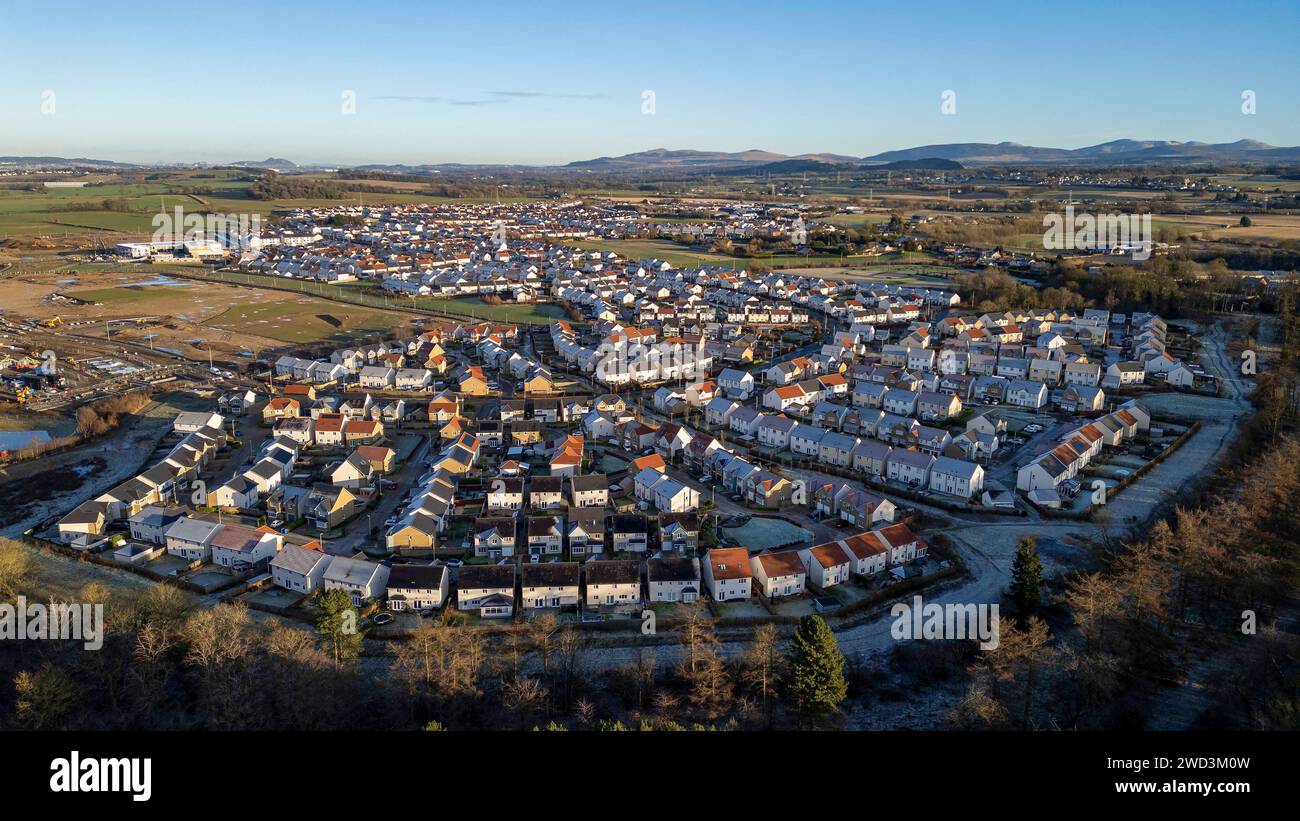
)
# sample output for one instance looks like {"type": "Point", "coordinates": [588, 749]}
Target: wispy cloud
{"type": "Point", "coordinates": [421, 98]}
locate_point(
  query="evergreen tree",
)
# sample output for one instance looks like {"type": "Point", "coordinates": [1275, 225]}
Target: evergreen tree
{"type": "Point", "coordinates": [1026, 578]}
{"type": "Point", "coordinates": [817, 682]}
{"type": "Point", "coordinates": [338, 625]}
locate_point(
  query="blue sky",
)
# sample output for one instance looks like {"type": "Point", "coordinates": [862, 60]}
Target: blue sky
{"type": "Point", "coordinates": [552, 82]}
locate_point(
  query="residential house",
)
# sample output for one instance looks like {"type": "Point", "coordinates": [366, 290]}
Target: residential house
{"type": "Point", "coordinates": [550, 585]}
{"type": "Point", "coordinates": [956, 477]}
{"type": "Point", "coordinates": [543, 536]}
{"type": "Point", "coordinates": [613, 583]}
{"type": "Point", "coordinates": [191, 539]}
{"type": "Point", "coordinates": [779, 574]}
{"type": "Point", "coordinates": [299, 569]}
{"type": "Point", "coordinates": [727, 574]}
{"type": "Point", "coordinates": [629, 533]}
{"type": "Point", "coordinates": [360, 579]}
{"type": "Point", "coordinates": [240, 547]}
{"type": "Point", "coordinates": [489, 589]}
{"type": "Point", "coordinates": [826, 564]}
{"type": "Point", "coordinates": [417, 587]}
{"type": "Point", "coordinates": [673, 579]}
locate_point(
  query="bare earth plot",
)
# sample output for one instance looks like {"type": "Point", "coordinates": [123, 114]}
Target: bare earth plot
{"type": "Point", "coordinates": [189, 314]}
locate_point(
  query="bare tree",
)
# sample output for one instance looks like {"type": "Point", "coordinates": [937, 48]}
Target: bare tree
{"type": "Point", "coordinates": [764, 667]}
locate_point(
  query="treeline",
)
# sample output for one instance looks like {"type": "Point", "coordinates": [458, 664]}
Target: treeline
{"type": "Point", "coordinates": [116, 204]}
{"type": "Point", "coordinates": [305, 188]}
{"type": "Point", "coordinates": [169, 664]}
{"type": "Point", "coordinates": [1178, 630]}
{"type": "Point", "coordinates": [1172, 286]}
{"type": "Point", "coordinates": [104, 415]}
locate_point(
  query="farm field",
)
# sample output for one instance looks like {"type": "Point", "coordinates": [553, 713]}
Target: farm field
{"type": "Point", "coordinates": [76, 213]}
{"type": "Point", "coordinates": [1276, 227]}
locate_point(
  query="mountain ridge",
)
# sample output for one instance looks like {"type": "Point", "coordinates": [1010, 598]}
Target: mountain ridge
{"type": "Point", "coordinates": [1114, 152]}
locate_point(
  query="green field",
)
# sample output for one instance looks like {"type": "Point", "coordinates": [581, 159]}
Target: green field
{"type": "Point", "coordinates": [523, 314]}
{"type": "Point", "coordinates": [63, 211]}
{"type": "Point", "coordinates": [684, 257]}
{"type": "Point", "coordinates": [299, 322]}
{"type": "Point", "coordinates": [124, 293]}
{"type": "Point", "coordinates": [1160, 227]}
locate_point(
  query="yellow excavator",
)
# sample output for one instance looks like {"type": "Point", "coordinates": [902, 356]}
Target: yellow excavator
{"type": "Point", "coordinates": [24, 395]}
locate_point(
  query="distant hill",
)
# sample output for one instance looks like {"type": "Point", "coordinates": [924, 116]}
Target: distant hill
{"type": "Point", "coordinates": [663, 160]}
{"type": "Point", "coordinates": [968, 153]}
{"type": "Point", "coordinates": [1121, 152]}
{"type": "Point", "coordinates": [926, 164]}
{"type": "Point", "coordinates": [64, 162]}
{"type": "Point", "coordinates": [686, 160]}
{"type": "Point", "coordinates": [808, 166]}
{"type": "Point", "coordinates": [271, 164]}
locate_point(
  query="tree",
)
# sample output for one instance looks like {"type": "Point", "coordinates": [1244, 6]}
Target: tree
{"type": "Point", "coordinates": [817, 682]}
{"type": "Point", "coordinates": [1026, 578]}
{"type": "Point", "coordinates": [702, 666]}
{"type": "Point", "coordinates": [338, 625]}
{"type": "Point", "coordinates": [523, 697]}
{"type": "Point", "coordinates": [14, 565]}
{"type": "Point", "coordinates": [219, 640]}
{"type": "Point", "coordinates": [763, 667]}
{"type": "Point", "coordinates": [46, 697]}
{"type": "Point", "coordinates": [1246, 222]}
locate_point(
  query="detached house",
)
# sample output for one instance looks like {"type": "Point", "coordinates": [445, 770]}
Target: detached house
{"type": "Point", "coordinates": [956, 477]}
{"type": "Point", "coordinates": [543, 535]}
{"type": "Point", "coordinates": [417, 587]}
{"type": "Point", "coordinates": [299, 569]}
{"type": "Point", "coordinates": [494, 536]}
{"type": "Point", "coordinates": [613, 583]}
{"type": "Point", "coordinates": [240, 547]}
{"type": "Point", "coordinates": [868, 553]}
{"type": "Point", "coordinates": [727, 573]}
{"type": "Point", "coordinates": [191, 539]}
{"type": "Point", "coordinates": [550, 585]}
{"type": "Point", "coordinates": [585, 531]}
{"type": "Point", "coordinates": [361, 580]}
{"type": "Point", "coordinates": [489, 589]}
{"type": "Point", "coordinates": [673, 579]}
{"type": "Point", "coordinates": [779, 574]}
{"type": "Point", "coordinates": [827, 564]}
